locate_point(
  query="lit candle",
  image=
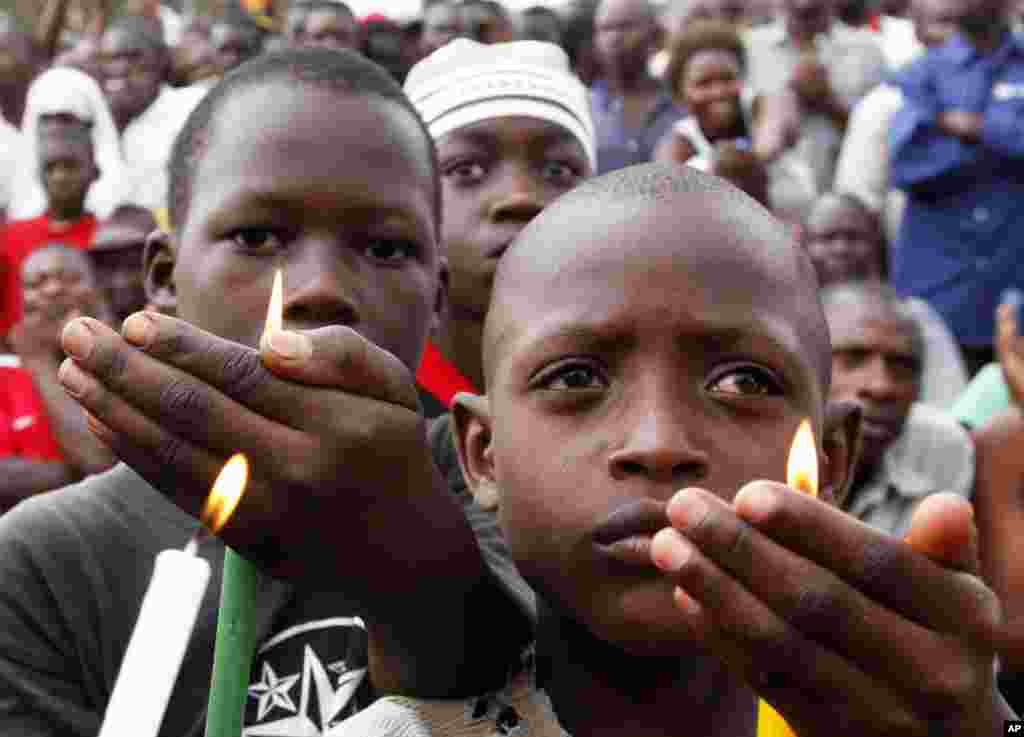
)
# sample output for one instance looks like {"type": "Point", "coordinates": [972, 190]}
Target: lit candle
{"type": "Point", "coordinates": [802, 467]}
{"type": "Point", "coordinates": [236, 620]}
{"type": "Point", "coordinates": [802, 476]}
{"type": "Point", "coordinates": [166, 619]}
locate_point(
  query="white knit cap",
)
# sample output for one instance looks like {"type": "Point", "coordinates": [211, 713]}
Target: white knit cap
{"type": "Point", "coordinates": [464, 82]}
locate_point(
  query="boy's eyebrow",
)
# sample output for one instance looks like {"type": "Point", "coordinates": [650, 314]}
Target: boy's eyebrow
{"type": "Point", "coordinates": [276, 201]}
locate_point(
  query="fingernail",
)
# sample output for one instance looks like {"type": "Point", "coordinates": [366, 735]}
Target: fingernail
{"type": "Point", "coordinates": [687, 509]}
{"type": "Point", "coordinates": [670, 551]}
{"type": "Point", "coordinates": [139, 330]}
{"type": "Point", "coordinates": [77, 339]}
{"type": "Point", "coordinates": [756, 503]}
{"type": "Point", "coordinates": [72, 378]}
{"type": "Point", "coordinates": [289, 345]}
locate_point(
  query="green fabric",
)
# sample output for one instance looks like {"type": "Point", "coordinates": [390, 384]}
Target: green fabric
{"type": "Point", "coordinates": [986, 396]}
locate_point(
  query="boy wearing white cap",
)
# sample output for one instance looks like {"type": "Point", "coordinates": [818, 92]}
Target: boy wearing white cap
{"type": "Point", "coordinates": [513, 131]}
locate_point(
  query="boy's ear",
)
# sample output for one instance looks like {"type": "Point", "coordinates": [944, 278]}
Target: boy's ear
{"type": "Point", "coordinates": [158, 268]}
{"type": "Point", "coordinates": [840, 442]}
{"type": "Point", "coordinates": [471, 427]}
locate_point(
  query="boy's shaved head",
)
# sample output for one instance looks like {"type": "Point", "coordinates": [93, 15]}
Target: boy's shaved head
{"type": "Point", "coordinates": [694, 200]}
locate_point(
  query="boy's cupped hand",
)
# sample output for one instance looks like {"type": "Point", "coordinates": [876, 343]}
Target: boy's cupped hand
{"type": "Point", "coordinates": [330, 424]}
{"type": "Point", "coordinates": [842, 628]}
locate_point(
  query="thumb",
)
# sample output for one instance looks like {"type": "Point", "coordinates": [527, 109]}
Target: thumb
{"type": "Point", "coordinates": [340, 358]}
{"type": "Point", "coordinates": [943, 528]}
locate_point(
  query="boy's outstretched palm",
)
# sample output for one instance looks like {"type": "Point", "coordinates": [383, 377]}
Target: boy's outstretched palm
{"type": "Point", "coordinates": [844, 629]}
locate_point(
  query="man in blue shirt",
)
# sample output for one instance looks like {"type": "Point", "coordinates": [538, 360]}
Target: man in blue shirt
{"type": "Point", "coordinates": [957, 148]}
{"type": "Point", "coordinates": [630, 108]}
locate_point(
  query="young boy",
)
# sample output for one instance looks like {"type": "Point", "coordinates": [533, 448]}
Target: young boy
{"type": "Point", "coordinates": [264, 177]}
{"type": "Point", "coordinates": [653, 331]}
{"type": "Point", "coordinates": [513, 132]}
{"type": "Point", "coordinates": [116, 256]}
{"type": "Point", "coordinates": [67, 170]}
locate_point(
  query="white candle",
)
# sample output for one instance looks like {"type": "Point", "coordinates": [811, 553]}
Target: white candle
{"type": "Point", "coordinates": [153, 658]}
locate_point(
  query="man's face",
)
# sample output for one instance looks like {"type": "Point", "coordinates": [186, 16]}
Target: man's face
{"type": "Point", "coordinates": [345, 210]}
{"type": "Point", "coordinates": [650, 348]}
{"type": "Point", "coordinates": [441, 24]}
{"type": "Point", "coordinates": [876, 363]}
{"type": "Point", "coordinates": [805, 19]}
{"type": "Point", "coordinates": [116, 256]}
{"type": "Point", "coordinates": [624, 34]}
{"type": "Point", "coordinates": [329, 30]}
{"type": "Point", "coordinates": [66, 169]}
{"type": "Point", "coordinates": [132, 73]}
{"type": "Point", "coordinates": [56, 283]}
{"type": "Point", "coordinates": [497, 175]}
{"type": "Point", "coordinates": [843, 242]}
{"type": "Point", "coordinates": [936, 20]}
{"type": "Point", "coordinates": [17, 60]}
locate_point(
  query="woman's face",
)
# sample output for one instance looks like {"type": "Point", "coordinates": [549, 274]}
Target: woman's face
{"type": "Point", "coordinates": [710, 87]}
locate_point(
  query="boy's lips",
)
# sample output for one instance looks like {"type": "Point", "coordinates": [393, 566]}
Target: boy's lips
{"type": "Point", "coordinates": [625, 535]}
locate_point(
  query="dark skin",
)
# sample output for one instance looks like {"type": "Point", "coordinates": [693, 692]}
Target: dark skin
{"type": "Point", "coordinates": [805, 20]}
{"type": "Point", "coordinates": [625, 35]}
{"type": "Point", "coordinates": [233, 45]}
{"type": "Point", "coordinates": [984, 23]}
{"type": "Point", "coordinates": [934, 20]}
{"type": "Point", "coordinates": [610, 390]}
{"type": "Point", "coordinates": [132, 74]}
{"type": "Point", "coordinates": [442, 22]}
{"type": "Point", "coordinates": [843, 241]}
{"type": "Point", "coordinates": [327, 29]}
{"type": "Point", "coordinates": [58, 286]}
{"type": "Point", "coordinates": [326, 409]}
{"type": "Point", "coordinates": [17, 67]}
{"type": "Point", "coordinates": [497, 175]}
{"type": "Point", "coordinates": [876, 363]}
{"type": "Point", "coordinates": [67, 170]}
{"type": "Point", "coordinates": [116, 256]}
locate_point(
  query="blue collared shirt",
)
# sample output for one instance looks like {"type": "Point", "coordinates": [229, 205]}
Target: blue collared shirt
{"type": "Point", "coordinates": [960, 242]}
{"type": "Point", "coordinates": [618, 146]}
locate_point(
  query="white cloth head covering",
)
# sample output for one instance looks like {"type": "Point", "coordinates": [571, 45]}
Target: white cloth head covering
{"type": "Point", "coordinates": [70, 91]}
{"type": "Point", "coordinates": [464, 82]}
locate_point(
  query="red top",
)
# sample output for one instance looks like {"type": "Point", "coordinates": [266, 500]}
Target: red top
{"type": "Point", "coordinates": [440, 377]}
{"type": "Point", "coordinates": [24, 427]}
{"type": "Point", "coordinates": [18, 239]}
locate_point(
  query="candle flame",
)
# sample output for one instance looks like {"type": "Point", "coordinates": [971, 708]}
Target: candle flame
{"type": "Point", "coordinates": [802, 468]}
{"type": "Point", "coordinates": [226, 493]}
{"type": "Point", "coordinates": [275, 313]}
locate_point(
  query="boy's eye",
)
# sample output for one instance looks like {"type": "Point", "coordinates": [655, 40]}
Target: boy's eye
{"type": "Point", "coordinates": [391, 251]}
{"type": "Point", "coordinates": [257, 239]}
{"type": "Point", "coordinates": [573, 377]}
{"type": "Point", "coordinates": [746, 381]}
{"type": "Point", "coordinates": [465, 173]}
{"type": "Point", "coordinates": [561, 173]}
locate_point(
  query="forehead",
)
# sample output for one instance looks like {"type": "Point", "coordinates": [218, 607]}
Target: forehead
{"type": "Point", "coordinates": [512, 130]}
{"type": "Point", "coordinates": [832, 212]}
{"type": "Point", "coordinates": [863, 318]}
{"type": "Point", "coordinates": [685, 264]}
{"type": "Point", "coordinates": [118, 233]}
{"type": "Point", "coordinates": [288, 144]}
{"type": "Point", "coordinates": [702, 61]}
{"type": "Point", "coordinates": [48, 260]}
{"type": "Point", "coordinates": [611, 12]}
{"type": "Point", "coordinates": [123, 41]}
{"type": "Point", "coordinates": [55, 146]}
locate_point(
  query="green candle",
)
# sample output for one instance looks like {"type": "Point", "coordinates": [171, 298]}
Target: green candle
{"type": "Point", "coordinates": [236, 645]}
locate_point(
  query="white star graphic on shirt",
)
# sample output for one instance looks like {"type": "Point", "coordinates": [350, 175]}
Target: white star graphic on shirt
{"type": "Point", "coordinates": [330, 701]}
{"type": "Point", "coordinates": [273, 691]}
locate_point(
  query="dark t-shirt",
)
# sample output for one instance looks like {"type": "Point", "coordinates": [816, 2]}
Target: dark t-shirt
{"type": "Point", "coordinates": [75, 564]}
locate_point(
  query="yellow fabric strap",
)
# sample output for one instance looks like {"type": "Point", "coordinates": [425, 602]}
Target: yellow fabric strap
{"type": "Point", "coordinates": [770, 724]}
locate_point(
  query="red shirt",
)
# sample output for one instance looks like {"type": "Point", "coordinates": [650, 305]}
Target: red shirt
{"type": "Point", "coordinates": [24, 427]}
{"type": "Point", "coordinates": [439, 377]}
{"type": "Point", "coordinates": [18, 239]}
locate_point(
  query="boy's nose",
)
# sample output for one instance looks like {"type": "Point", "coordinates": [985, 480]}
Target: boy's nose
{"type": "Point", "coordinates": [319, 290]}
{"type": "Point", "coordinates": [660, 448]}
{"type": "Point", "coordinates": [521, 198]}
